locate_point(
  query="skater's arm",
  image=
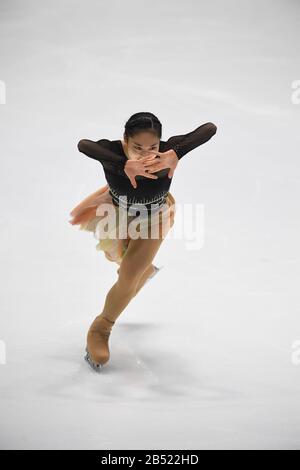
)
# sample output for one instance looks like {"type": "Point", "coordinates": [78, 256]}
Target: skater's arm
{"type": "Point", "coordinates": [102, 152]}
{"type": "Point", "coordinates": [182, 144]}
{"type": "Point", "coordinates": [113, 162]}
{"type": "Point", "coordinates": [99, 150]}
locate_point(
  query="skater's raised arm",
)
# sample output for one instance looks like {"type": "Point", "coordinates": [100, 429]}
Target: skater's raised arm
{"type": "Point", "coordinates": [113, 162]}
{"type": "Point", "coordinates": [102, 152]}
{"type": "Point", "coordinates": [99, 150]}
{"type": "Point", "coordinates": [182, 144]}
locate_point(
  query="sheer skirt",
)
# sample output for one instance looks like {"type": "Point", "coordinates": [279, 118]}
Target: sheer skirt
{"type": "Point", "coordinates": [112, 226]}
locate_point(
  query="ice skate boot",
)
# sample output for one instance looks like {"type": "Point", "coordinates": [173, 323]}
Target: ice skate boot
{"type": "Point", "coordinates": [97, 350]}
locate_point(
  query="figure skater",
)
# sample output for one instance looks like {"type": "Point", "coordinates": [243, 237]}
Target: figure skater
{"type": "Point", "coordinates": [138, 168]}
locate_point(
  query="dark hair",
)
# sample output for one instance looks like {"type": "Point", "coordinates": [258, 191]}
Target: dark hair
{"type": "Point", "coordinates": [142, 121]}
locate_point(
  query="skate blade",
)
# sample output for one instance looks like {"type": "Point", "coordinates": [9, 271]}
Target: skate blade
{"type": "Point", "coordinates": [90, 361]}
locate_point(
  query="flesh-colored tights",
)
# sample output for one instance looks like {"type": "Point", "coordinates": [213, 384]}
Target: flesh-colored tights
{"type": "Point", "coordinates": [135, 268]}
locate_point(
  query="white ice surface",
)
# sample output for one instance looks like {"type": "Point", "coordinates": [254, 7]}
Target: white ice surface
{"type": "Point", "coordinates": [202, 358]}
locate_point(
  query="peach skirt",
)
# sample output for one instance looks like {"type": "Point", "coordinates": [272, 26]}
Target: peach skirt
{"type": "Point", "coordinates": [93, 214]}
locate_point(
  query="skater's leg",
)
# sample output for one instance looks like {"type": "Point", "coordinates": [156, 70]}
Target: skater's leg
{"type": "Point", "coordinates": [146, 274]}
{"type": "Point", "coordinates": [131, 278]}
{"type": "Point", "coordinates": [137, 259]}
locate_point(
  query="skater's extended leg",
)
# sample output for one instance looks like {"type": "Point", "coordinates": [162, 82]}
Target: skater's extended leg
{"type": "Point", "coordinates": [146, 274]}
{"type": "Point", "coordinates": [135, 268]}
{"type": "Point", "coordinates": [137, 260]}
{"type": "Point", "coordinates": [98, 335]}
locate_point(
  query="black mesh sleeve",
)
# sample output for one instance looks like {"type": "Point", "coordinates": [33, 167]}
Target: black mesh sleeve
{"type": "Point", "coordinates": [182, 144]}
{"type": "Point", "coordinates": [101, 151]}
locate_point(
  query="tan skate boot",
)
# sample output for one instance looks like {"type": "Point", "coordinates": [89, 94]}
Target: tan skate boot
{"type": "Point", "coordinates": [97, 342]}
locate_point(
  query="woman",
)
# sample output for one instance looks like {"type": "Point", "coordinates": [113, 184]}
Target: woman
{"type": "Point", "coordinates": [138, 168]}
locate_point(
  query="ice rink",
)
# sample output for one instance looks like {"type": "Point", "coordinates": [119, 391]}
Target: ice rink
{"type": "Point", "coordinates": [207, 356]}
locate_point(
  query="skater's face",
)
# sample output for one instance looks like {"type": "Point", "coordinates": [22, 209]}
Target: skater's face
{"type": "Point", "coordinates": [142, 142]}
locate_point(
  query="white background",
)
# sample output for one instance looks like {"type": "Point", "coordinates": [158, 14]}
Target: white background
{"type": "Point", "coordinates": [203, 357]}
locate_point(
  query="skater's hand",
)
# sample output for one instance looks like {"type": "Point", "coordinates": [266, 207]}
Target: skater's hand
{"type": "Point", "coordinates": [166, 159]}
{"type": "Point", "coordinates": [136, 166]}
